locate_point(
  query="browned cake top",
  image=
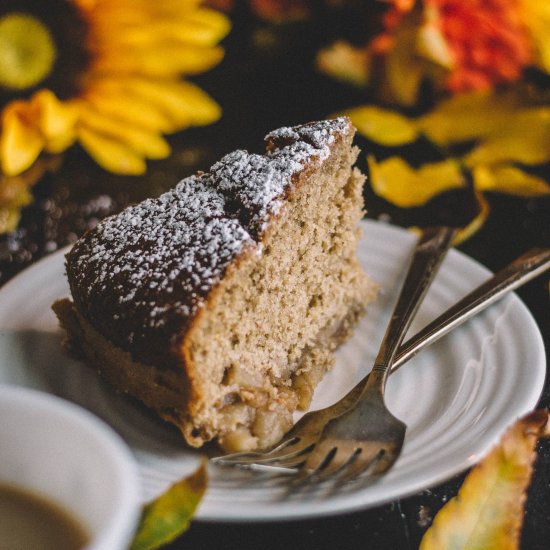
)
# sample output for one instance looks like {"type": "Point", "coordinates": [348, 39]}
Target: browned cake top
{"type": "Point", "coordinates": [141, 276]}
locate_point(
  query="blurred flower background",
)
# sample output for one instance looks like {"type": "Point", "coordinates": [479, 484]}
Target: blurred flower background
{"type": "Point", "coordinates": [104, 74]}
{"type": "Point", "coordinates": [106, 102]}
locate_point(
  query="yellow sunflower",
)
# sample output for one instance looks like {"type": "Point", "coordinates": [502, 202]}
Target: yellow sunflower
{"type": "Point", "coordinates": [105, 73]}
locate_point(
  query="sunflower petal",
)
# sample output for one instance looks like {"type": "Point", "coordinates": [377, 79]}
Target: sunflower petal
{"type": "Point", "coordinates": [21, 142]}
{"type": "Point", "coordinates": [166, 59]}
{"type": "Point", "coordinates": [401, 184]}
{"type": "Point", "coordinates": [149, 144]}
{"type": "Point", "coordinates": [383, 126]}
{"type": "Point", "coordinates": [213, 24]}
{"type": "Point", "coordinates": [56, 120]}
{"type": "Point", "coordinates": [187, 103]}
{"type": "Point", "coordinates": [509, 179]}
{"type": "Point", "coordinates": [136, 12]}
{"type": "Point", "coordinates": [184, 103]}
{"type": "Point", "coordinates": [202, 28]}
{"type": "Point", "coordinates": [130, 109]}
{"type": "Point", "coordinates": [111, 154]}
{"type": "Point", "coordinates": [163, 105]}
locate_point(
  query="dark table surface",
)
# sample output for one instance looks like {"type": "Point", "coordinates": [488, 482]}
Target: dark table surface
{"type": "Point", "coordinates": [274, 87]}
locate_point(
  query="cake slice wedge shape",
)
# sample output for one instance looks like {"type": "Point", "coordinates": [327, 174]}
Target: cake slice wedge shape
{"type": "Point", "coordinates": [220, 303]}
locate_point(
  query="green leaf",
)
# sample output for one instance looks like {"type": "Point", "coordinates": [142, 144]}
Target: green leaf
{"type": "Point", "coordinates": [509, 179]}
{"type": "Point", "coordinates": [169, 515]}
{"type": "Point", "coordinates": [401, 184]}
{"type": "Point", "coordinates": [488, 510]}
{"type": "Point", "coordinates": [383, 126]}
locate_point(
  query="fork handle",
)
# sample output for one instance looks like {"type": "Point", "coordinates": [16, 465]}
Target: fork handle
{"type": "Point", "coordinates": [522, 269]}
{"type": "Point", "coordinates": [428, 255]}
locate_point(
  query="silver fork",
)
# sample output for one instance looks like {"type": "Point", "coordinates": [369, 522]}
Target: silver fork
{"type": "Point", "coordinates": [291, 452]}
{"type": "Point", "coordinates": [429, 252]}
{"type": "Point", "coordinates": [368, 436]}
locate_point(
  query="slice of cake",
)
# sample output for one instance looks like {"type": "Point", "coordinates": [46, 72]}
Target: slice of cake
{"type": "Point", "coordinates": [219, 304]}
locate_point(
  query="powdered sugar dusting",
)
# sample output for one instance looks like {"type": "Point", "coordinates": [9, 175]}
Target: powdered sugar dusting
{"type": "Point", "coordinates": [175, 246]}
{"type": "Point", "coordinates": [140, 276]}
{"type": "Point", "coordinates": [319, 135]}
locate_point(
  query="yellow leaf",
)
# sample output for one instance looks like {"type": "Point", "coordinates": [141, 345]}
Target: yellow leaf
{"type": "Point", "coordinates": [345, 63]}
{"type": "Point", "coordinates": [169, 515]}
{"type": "Point", "coordinates": [464, 233]}
{"type": "Point", "coordinates": [509, 179]}
{"type": "Point", "coordinates": [524, 138]}
{"type": "Point", "coordinates": [401, 184]}
{"type": "Point", "coordinates": [111, 154]}
{"type": "Point", "coordinates": [474, 225]}
{"type": "Point", "coordinates": [383, 126]}
{"type": "Point", "coordinates": [431, 42]}
{"type": "Point", "coordinates": [487, 512]}
{"type": "Point", "coordinates": [468, 116]}
{"type": "Point", "coordinates": [537, 19]}
{"type": "Point", "coordinates": [404, 67]}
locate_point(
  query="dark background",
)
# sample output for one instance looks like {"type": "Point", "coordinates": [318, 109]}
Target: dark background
{"type": "Point", "coordinates": [268, 80]}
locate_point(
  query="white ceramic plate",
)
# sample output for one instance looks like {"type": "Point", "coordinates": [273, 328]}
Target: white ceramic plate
{"type": "Point", "coordinates": [456, 397]}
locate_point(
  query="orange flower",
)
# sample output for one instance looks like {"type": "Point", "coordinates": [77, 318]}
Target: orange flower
{"type": "Point", "coordinates": [488, 41]}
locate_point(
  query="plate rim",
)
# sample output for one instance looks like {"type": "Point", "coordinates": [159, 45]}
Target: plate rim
{"type": "Point", "coordinates": [350, 504]}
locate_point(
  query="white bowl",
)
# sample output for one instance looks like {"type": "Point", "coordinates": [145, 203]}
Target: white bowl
{"type": "Point", "coordinates": [64, 453]}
